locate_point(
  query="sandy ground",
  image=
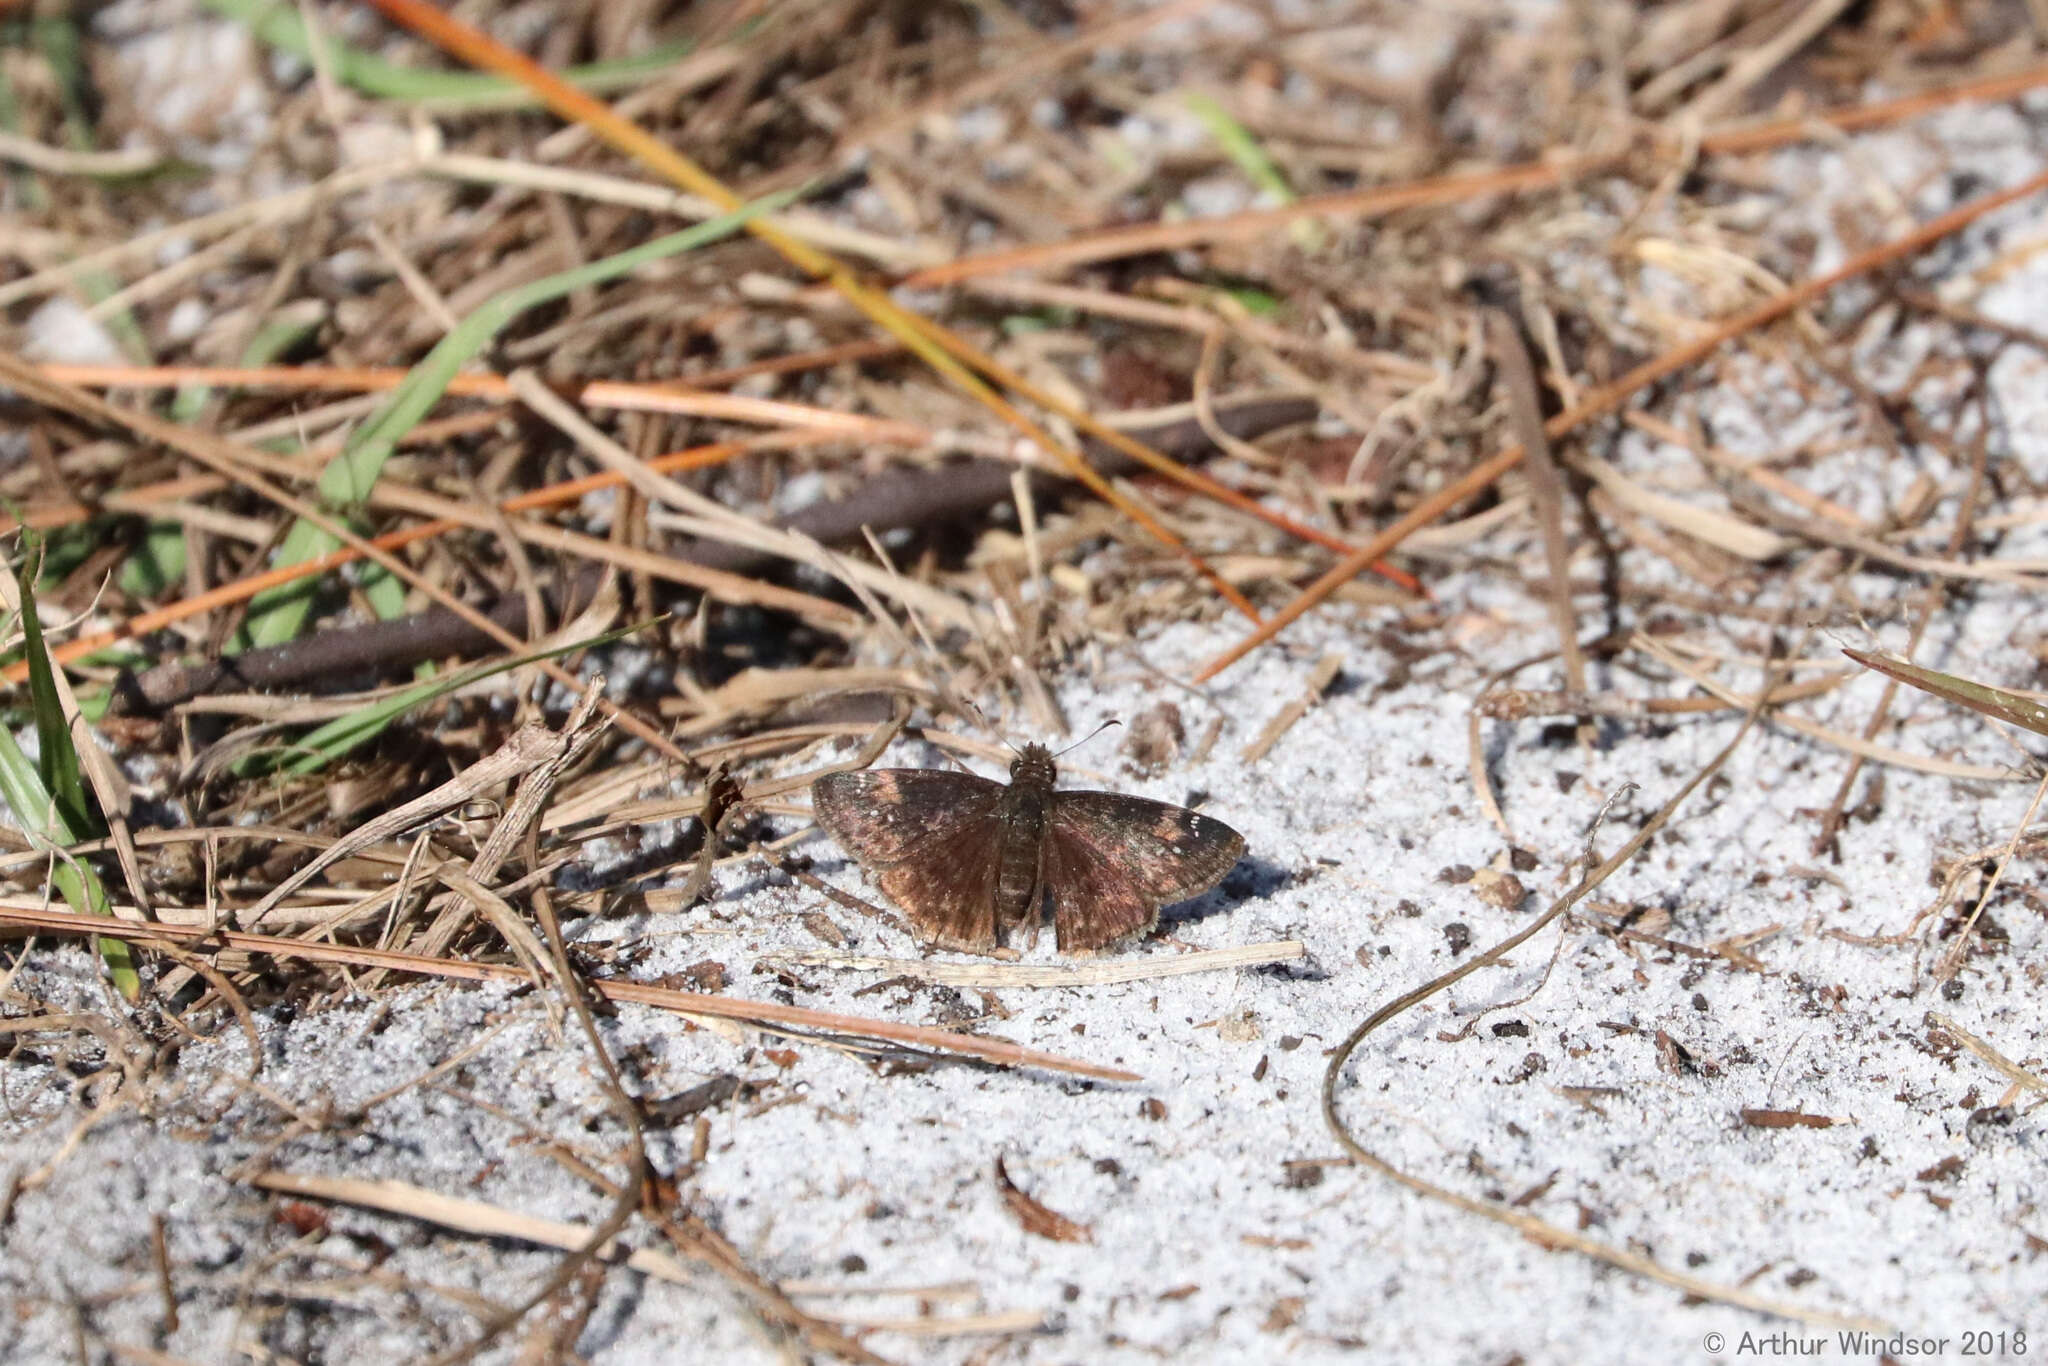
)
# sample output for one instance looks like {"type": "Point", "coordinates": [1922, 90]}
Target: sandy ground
{"type": "Point", "coordinates": [1221, 1227]}
{"type": "Point", "coordinates": [1218, 1233]}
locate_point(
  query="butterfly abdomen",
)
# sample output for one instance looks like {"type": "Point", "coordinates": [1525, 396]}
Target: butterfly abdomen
{"type": "Point", "coordinates": [1026, 807]}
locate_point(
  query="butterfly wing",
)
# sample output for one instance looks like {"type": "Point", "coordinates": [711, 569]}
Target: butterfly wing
{"type": "Point", "coordinates": [949, 890]}
{"type": "Point", "coordinates": [1094, 903]}
{"type": "Point", "coordinates": [1113, 860]}
{"type": "Point", "coordinates": [930, 837]}
{"type": "Point", "coordinates": [886, 815]}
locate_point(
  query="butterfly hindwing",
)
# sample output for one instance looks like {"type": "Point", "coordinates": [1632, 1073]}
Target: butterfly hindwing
{"type": "Point", "coordinates": [948, 887]}
{"type": "Point", "coordinates": [1113, 860]}
{"type": "Point", "coordinates": [1094, 903]}
{"type": "Point", "coordinates": [932, 840]}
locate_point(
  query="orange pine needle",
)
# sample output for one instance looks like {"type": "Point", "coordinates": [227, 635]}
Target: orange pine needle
{"type": "Point", "coordinates": [986, 1047]}
{"type": "Point", "coordinates": [658, 397]}
{"type": "Point", "coordinates": [241, 590]}
{"type": "Point", "coordinates": [1379, 200]}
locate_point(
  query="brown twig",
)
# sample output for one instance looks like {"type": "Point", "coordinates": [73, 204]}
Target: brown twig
{"type": "Point", "coordinates": [897, 498]}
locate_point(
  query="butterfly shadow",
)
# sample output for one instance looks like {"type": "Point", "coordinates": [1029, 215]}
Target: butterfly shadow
{"type": "Point", "coordinates": [1250, 880]}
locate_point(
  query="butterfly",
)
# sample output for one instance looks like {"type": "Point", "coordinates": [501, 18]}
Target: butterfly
{"type": "Point", "coordinates": [968, 857]}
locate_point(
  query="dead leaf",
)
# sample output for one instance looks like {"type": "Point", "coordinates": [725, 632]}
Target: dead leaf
{"type": "Point", "coordinates": [1784, 1119]}
{"type": "Point", "coordinates": [1036, 1218]}
{"type": "Point", "coordinates": [1504, 890]}
{"type": "Point", "coordinates": [821, 925]}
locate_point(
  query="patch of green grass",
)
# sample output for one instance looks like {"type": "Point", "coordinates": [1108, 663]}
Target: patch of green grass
{"type": "Point", "coordinates": [280, 25]}
{"type": "Point", "coordinates": [280, 614]}
{"type": "Point", "coordinates": [48, 794]}
{"type": "Point", "coordinates": [331, 741]}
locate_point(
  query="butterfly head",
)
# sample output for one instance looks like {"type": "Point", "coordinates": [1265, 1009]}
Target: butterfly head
{"type": "Point", "coordinates": [1034, 767]}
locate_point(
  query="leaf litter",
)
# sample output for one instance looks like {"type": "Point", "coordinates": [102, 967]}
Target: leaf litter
{"type": "Point", "coordinates": [1729, 1074]}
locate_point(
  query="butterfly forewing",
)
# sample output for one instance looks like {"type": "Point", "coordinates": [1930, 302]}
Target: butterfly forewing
{"type": "Point", "coordinates": [887, 815]}
{"type": "Point", "coordinates": [1112, 861]}
{"type": "Point", "coordinates": [1170, 852]}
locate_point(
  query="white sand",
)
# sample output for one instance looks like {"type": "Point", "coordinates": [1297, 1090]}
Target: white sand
{"type": "Point", "coordinates": [1921, 1206]}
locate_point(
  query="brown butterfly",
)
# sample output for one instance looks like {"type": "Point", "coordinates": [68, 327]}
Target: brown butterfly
{"type": "Point", "coordinates": [968, 857]}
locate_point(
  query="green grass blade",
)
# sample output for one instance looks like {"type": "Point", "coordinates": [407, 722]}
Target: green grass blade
{"type": "Point", "coordinates": [279, 25]}
{"type": "Point", "coordinates": [57, 764]}
{"type": "Point", "coordinates": [1235, 141]}
{"type": "Point", "coordinates": [48, 795]}
{"type": "Point", "coordinates": [280, 615]}
{"type": "Point", "coordinates": [73, 879]}
{"type": "Point", "coordinates": [322, 746]}
{"type": "Point", "coordinates": [155, 564]}
{"type": "Point", "coordinates": [1996, 702]}
{"type": "Point", "coordinates": [22, 786]}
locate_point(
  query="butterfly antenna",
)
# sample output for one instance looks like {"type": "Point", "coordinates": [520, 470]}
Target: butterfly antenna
{"type": "Point", "coordinates": [1112, 721]}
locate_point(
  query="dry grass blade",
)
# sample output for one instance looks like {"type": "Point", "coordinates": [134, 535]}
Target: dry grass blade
{"type": "Point", "coordinates": [1885, 754]}
{"type": "Point", "coordinates": [1608, 399]}
{"type": "Point", "coordinates": [1319, 680]}
{"type": "Point", "coordinates": [532, 746]}
{"type": "Point", "coordinates": [2004, 1066]}
{"type": "Point", "coordinates": [760, 1013]}
{"type": "Point", "coordinates": [1546, 485]}
{"type": "Point", "coordinates": [405, 1200]}
{"type": "Point", "coordinates": [709, 519]}
{"type": "Point", "coordinates": [1054, 975]}
{"type": "Point", "coordinates": [1717, 529]}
